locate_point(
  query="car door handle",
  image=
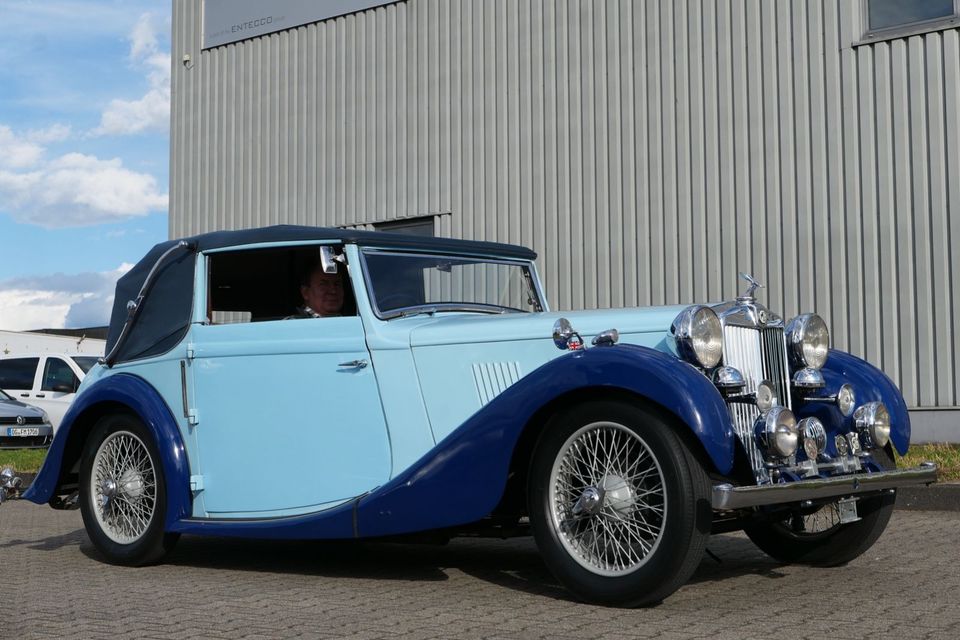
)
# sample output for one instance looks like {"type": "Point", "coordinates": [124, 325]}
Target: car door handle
{"type": "Point", "coordinates": [353, 364]}
{"type": "Point", "coordinates": [41, 395]}
{"type": "Point", "coordinates": [24, 395]}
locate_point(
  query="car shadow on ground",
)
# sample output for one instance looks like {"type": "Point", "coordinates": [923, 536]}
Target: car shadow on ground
{"type": "Point", "coordinates": [513, 564]}
{"type": "Point", "coordinates": [53, 543]}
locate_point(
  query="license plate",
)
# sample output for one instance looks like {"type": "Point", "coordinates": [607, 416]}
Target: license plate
{"type": "Point", "coordinates": [23, 432]}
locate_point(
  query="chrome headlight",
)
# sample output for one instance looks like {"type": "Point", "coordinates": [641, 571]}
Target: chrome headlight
{"type": "Point", "coordinates": [777, 432]}
{"type": "Point", "coordinates": [808, 340]}
{"type": "Point", "coordinates": [699, 336]}
{"type": "Point", "coordinates": [873, 420]}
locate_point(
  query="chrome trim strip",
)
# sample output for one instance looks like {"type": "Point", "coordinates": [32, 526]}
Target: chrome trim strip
{"type": "Point", "coordinates": [727, 496]}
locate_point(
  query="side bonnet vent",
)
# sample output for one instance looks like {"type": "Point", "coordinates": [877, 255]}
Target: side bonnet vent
{"type": "Point", "coordinates": [492, 378]}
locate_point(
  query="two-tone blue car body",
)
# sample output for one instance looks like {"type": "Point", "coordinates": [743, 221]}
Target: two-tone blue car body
{"type": "Point", "coordinates": [442, 395]}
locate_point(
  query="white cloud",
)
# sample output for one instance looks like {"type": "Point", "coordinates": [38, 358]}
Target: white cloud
{"type": "Point", "coordinates": [152, 110]}
{"type": "Point", "coordinates": [78, 190]}
{"type": "Point", "coordinates": [58, 301]}
{"type": "Point", "coordinates": [54, 133]}
{"type": "Point", "coordinates": [26, 150]}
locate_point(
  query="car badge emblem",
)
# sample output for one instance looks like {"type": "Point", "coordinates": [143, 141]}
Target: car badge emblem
{"type": "Point", "coordinates": [20, 420]}
{"type": "Point", "coordinates": [753, 285]}
{"type": "Point", "coordinates": [762, 316]}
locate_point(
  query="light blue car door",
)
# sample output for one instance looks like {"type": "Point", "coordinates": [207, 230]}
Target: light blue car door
{"type": "Point", "coordinates": [288, 414]}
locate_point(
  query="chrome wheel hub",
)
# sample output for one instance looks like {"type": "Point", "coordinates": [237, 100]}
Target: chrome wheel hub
{"type": "Point", "coordinates": [108, 491]}
{"type": "Point", "coordinates": [607, 499]}
{"type": "Point", "coordinates": [123, 487]}
{"type": "Point", "coordinates": [590, 501]}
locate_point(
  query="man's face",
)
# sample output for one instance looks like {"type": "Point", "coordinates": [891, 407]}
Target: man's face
{"type": "Point", "coordinates": [324, 294]}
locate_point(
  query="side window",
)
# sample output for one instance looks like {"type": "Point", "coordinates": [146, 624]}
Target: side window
{"type": "Point", "coordinates": [261, 285]}
{"type": "Point", "coordinates": [58, 376]}
{"type": "Point", "coordinates": [18, 373]}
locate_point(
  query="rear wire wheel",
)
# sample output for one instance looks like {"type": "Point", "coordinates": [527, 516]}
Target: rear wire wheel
{"type": "Point", "coordinates": [122, 492]}
{"type": "Point", "coordinates": [619, 506]}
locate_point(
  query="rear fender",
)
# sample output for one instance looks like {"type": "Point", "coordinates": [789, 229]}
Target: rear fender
{"type": "Point", "coordinates": [120, 392]}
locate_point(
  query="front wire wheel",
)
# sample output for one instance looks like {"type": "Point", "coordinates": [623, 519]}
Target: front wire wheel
{"type": "Point", "coordinates": [122, 492]}
{"type": "Point", "coordinates": [619, 506]}
{"type": "Point", "coordinates": [608, 499]}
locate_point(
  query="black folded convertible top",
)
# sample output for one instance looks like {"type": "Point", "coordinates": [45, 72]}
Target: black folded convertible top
{"type": "Point", "coordinates": [164, 314]}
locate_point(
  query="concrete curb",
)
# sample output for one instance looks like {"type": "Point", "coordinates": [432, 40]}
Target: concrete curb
{"type": "Point", "coordinates": [942, 496]}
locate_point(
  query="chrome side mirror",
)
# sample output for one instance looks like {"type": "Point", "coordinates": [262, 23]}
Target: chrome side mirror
{"type": "Point", "coordinates": [565, 337]}
{"type": "Point", "coordinates": [328, 259]}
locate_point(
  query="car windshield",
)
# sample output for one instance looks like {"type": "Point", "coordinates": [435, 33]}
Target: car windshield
{"type": "Point", "coordinates": [408, 283]}
{"type": "Point", "coordinates": [85, 362]}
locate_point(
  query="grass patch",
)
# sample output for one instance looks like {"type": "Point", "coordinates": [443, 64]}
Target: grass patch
{"type": "Point", "coordinates": [947, 457]}
{"type": "Point", "coordinates": [22, 460]}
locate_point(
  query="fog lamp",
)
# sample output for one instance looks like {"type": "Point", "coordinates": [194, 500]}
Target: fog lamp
{"type": "Point", "coordinates": [813, 436]}
{"type": "Point", "coordinates": [873, 421]}
{"type": "Point", "coordinates": [777, 432]}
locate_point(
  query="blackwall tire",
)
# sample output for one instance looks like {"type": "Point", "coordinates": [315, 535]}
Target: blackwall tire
{"type": "Point", "coordinates": [122, 492]}
{"type": "Point", "coordinates": [619, 506]}
{"type": "Point", "coordinates": [830, 546]}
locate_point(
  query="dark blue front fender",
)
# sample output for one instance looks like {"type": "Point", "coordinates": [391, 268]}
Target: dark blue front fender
{"type": "Point", "coordinates": [139, 397]}
{"type": "Point", "coordinates": [463, 478]}
{"type": "Point", "coordinates": [869, 384]}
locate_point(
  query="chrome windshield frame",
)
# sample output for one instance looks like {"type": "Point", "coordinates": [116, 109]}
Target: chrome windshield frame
{"type": "Point", "coordinates": [528, 271]}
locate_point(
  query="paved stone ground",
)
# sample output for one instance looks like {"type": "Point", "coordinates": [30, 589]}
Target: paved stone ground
{"type": "Point", "coordinates": [54, 586]}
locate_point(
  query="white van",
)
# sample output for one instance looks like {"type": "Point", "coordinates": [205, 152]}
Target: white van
{"type": "Point", "coordinates": [48, 381]}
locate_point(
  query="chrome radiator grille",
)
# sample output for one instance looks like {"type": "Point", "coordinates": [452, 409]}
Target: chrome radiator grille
{"type": "Point", "coordinates": [759, 354]}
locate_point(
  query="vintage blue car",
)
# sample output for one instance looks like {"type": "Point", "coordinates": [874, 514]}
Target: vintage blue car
{"type": "Point", "coordinates": [393, 385]}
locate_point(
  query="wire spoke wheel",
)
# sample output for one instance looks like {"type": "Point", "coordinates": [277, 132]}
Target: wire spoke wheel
{"type": "Point", "coordinates": [608, 499]}
{"type": "Point", "coordinates": [124, 487]}
{"type": "Point", "coordinates": [824, 519]}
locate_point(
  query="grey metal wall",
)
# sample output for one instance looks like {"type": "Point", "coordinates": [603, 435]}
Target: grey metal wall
{"type": "Point", "coordinates": [647, 150]}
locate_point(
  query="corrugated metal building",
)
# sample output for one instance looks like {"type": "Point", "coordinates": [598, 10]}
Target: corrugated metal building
{"type": "Point", "coordinates": [647, 150]}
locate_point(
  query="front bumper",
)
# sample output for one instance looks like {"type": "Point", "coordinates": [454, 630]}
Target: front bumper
{"type": "Point", "coordinates": [727, 497]}
{"type": "Point", "coordinates": [31, 436]}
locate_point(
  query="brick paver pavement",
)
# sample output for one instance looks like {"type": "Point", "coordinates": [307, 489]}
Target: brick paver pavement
{"type": "Point", "coordinates": [54, 586]}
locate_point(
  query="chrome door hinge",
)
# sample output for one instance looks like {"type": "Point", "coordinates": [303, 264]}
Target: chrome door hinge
{"type": "Point", "coordinates": [196, 484]}
{"type": "Point", "coordinates": [188, 412]}
{"type": "Point", "coordinates": [191, 352]}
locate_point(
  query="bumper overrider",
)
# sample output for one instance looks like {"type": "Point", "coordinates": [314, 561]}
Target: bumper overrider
{"type": "Point", "coordinates": [727, 497]}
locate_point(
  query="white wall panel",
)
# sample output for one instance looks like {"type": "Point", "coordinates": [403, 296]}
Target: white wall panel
{"type": "Point", "coordinates": [649, 151]}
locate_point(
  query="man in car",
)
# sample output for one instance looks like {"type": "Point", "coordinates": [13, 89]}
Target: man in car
{"type": "Point", "coordinates": [322, 293]}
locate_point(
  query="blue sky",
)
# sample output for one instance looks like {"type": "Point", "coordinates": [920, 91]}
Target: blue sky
{"type": "Point", "coordinates": [84, 152]}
